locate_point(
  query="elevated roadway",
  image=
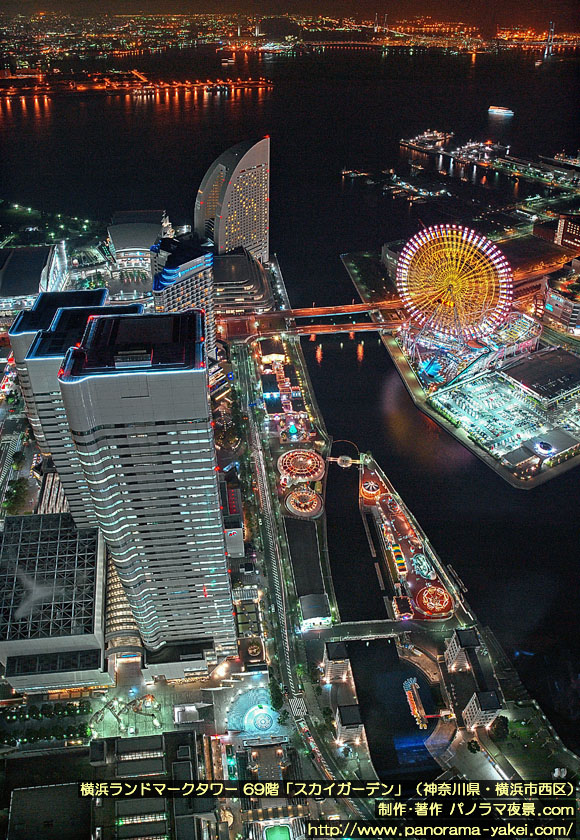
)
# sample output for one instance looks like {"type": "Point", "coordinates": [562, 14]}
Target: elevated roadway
{"type": "Point", "coordinates": [243, 331]}
{"type": "Point", "coordinates": [320, 329]}
{"type": "Point", "coordinates": [255, 325]}
{"type": "Point", "coordinates": [341, 309]}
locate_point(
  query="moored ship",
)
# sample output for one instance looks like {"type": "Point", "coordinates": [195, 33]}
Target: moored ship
{"type": "Point", "coordinates": [562, 159]}
{"type": "Point", "coordinates": [428, 141]}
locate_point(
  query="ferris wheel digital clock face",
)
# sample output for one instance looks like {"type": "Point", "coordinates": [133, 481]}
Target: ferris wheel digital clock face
{"type": "Point", "coordinates": [455, 282]}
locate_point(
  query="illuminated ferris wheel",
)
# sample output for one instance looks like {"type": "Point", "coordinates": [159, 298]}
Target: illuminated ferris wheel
{"type": "Point", "coordinates": [454, 282]}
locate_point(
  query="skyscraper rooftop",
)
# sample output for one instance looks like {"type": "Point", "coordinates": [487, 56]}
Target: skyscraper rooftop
{"type": "Point", "coordinates": [48, 303]}
{"type": "Point", "coordinates": [118, 343]}
{"type": "Point", "coordinates": [68, 326]}
{"type": "Point", "coordinates": [51, 585]}
{"type": "Point", "coordinates": [181, 250]}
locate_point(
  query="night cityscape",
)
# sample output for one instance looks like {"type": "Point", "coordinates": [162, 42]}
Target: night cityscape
{"type": "Point", "coordinates": [289, 419]}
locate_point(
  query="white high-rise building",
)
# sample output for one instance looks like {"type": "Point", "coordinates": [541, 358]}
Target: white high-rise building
{"type": "Point", "coordinates": [136, 398]}
{"type": "Point", "coordinates": [482, 709]}
{"type": "Point", "coordinates": [232, 204]}
{"type": "Point", "coordinates": [43, 362]}
{"type": "Point", "coordinates": [23, 332]}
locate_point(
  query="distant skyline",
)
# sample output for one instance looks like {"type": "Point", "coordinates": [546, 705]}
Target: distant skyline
{"type": "Point", "coordinates": [566, 13]}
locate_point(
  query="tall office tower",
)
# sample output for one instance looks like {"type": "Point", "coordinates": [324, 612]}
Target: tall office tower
{"type": "Point", "coordinates": [43, 362]}
{"type": "Point", "coordinates": [23, 331]}
{"type": "Point", "coordinates": [183, 279]}
{"type": "Point", "coordinates": [136, 398]}
{"type": "Point", "coordinates": [232, 204]}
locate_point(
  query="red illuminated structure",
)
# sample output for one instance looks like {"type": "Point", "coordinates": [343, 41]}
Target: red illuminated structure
{"type": "Point", "coordinates": [417, 597]}
{"type": "Point", "coordinates": [304, 502]}
{"type": "Point", "coordinates": [301, 465]}
{"type": "Point", "coordinates": [434, 601]}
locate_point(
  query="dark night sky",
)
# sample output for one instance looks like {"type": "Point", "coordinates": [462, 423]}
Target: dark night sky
{"type": "Point", "coordinates": [566, 13]}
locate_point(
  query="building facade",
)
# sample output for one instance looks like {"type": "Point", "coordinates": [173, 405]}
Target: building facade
{"type": "Point", "coordinates": [183, 279]}
{"type": "Point", "coordinates": [24, 330]}
{"type": "Point", "coordinates": [137, 403]}
{"type": "Point", "coordinates": [458, 647]}
{"type": "Point", "coordinates": [232, 203]}
{"type": "Point", "coordinates": [335, 662]}
{"type": "Point", "coordinates": [241, 284]}
{"type": "Point", "coordinates": [43, 362]}
{"type": "Point", "coordinates": [349, 725]}
{"type": "Point", "coordinates": [568, 232]}
{"type": "Point", "coordinates": [53, 276]}
{"type": "Point", "coordinates": [562, 311]}
{"type": "Point", "coordinates": [482, 709]}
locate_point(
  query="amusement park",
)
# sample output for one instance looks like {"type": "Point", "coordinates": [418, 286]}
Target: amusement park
{"type": "Point", "coordinates": [457, 289]}
{"type": "Point", "coordinates": [408, 560]}
{"type": "Point", "coordinates": [471, 357]}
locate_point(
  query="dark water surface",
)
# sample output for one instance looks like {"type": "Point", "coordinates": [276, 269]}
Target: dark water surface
{"type": "Point", "coordinates": [517, 551]}
{"type": "Point", "coordinates": [396, 744]}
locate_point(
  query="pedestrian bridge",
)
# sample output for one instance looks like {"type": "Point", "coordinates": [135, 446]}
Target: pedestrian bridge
{"type": "Point", "coordinates": [350, 630]}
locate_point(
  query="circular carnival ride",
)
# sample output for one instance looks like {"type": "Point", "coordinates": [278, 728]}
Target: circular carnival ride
{"type": "Point", "coordinates": [304, 502]}
{"type": "Point", "coordinates": [454, 282]}
{"type": "Point", "coordinates": [434, 601]}
{"type": "Point", "coordinates": [301, 465]}
{"type": "Point", "coordinates": [370, 489]}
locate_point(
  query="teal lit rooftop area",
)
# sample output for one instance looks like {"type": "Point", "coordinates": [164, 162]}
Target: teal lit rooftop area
{"type": "Point", "coordinates": [522, 427]}
{"type": "Point", "coordinates": [277, 832]}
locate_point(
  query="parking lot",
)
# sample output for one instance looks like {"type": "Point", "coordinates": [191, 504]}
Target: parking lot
{"type": "Point", "coordinates": [499, 415]}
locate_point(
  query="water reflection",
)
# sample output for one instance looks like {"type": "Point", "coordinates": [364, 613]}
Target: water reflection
{"type": "Point", "coordinates": [416, 435]}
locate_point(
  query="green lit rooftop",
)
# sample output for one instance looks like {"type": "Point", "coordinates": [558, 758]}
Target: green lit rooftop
{"type": "Point", "coordinates": [277, 832]}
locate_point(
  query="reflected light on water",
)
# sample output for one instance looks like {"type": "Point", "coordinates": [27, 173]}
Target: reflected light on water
{"type": "Point", "coordinates": [417, 435]}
